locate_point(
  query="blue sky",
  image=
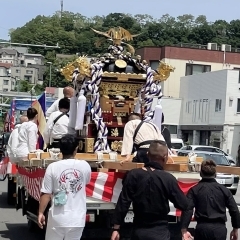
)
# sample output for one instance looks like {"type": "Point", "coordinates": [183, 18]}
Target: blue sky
{"type": "Point", "coordinates": [15, 13]}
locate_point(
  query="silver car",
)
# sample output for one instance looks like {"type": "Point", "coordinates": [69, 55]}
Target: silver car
{"type": "Point", "coordinates": [209, 149]}
{"type": "Point", "coordinates": [228, 180]}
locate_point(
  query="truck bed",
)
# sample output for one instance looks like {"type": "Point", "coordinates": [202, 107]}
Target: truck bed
{"type": "Point", "coordinates": [93, 204]}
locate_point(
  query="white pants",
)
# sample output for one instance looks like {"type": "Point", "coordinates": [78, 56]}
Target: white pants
{"type": "Point", "coordinates": [64, 233]}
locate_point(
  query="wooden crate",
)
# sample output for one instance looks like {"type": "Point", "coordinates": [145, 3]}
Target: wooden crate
{"type": "Point", "coordinates": [182, 159]}
{"type": "Point", "coordinates": [180, 163]}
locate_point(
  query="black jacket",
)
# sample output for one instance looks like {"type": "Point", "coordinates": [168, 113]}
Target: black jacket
{"type": "Point", "coordinates": [150, 193]}
{"type": "Point", "coordinates": [210, 200]}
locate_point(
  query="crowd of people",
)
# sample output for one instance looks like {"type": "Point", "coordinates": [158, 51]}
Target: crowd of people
{"type": "Point", "coordinates": [148, 189]}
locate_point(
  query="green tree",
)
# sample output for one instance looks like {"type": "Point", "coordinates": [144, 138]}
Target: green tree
{"type": "Point", "coordinates": [73, 34]}
{"type": "Point", "coordinates": [57, 79]}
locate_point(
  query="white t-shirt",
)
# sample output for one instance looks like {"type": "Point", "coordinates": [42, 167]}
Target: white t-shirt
{"type": "Point", "coordinates": [73, 175]}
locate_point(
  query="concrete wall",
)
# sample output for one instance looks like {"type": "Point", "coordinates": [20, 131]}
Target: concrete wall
{"type": "Point", "coordinates": [171, 108]}
{"type": "Point", "coordinates": [232, 95]}
{"type": "Point", "coordinates": [199, 93]}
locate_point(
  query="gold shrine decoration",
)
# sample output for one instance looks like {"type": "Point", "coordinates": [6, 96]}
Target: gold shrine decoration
{"type": "Point", "coordinates": [123, 89]}
{"type": "Point", "coordinates": [114, 132]}
{"type": "Point", "coordinates": [116, 146]}
{"type": "Point", "coordinates": [117, 35]}
{"type": "Point", "coordinates": [163, 71]}
{"type": "Point", "coordinates": [83, 66]}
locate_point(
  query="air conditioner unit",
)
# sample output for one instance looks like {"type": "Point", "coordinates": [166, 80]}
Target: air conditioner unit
{"type": "Point", "coordinates": [212, 46]}
{"type": "Point", "coordinates": [226, 48]}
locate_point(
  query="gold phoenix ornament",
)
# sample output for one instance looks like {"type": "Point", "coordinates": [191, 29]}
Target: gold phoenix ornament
{"type": "Point", "coordinates": [117, 35]}
{"type": "Point", "coordinates": [83, 66]}
{"type": "Point", "coordinates": [163, 71]}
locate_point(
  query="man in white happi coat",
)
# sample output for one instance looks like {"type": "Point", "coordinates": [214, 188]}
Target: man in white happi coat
{"type": "Point", "coordinates": [58, 125]}
{"type": "Point", "coordinates": [13, 140]}
{"type": "Point", "coordinates": [68, 92]}
{"type": "Point", "coordinates": [139, 135]}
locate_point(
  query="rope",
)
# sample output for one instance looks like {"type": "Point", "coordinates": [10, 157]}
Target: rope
{"type": "Point", "coordinates": [101, 145]}
{"type": "Point", "coordinates": [150, 90]}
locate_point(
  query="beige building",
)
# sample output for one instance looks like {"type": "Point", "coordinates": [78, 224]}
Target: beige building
{"type": "Point", "coordinates": [10, 56]}
{"type": "Point", "coordinates": [25, 73]}
{"type": "Point", "coordinates": [6, 82]}
{"type": "Point", "coordinates": [190, 60]}
{"type": "Point", "coordinates": [23, 66]}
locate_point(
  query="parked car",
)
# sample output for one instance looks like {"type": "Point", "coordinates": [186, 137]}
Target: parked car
{"type": "Point", "coordinates": [209, 149]}
{"type": "Point", "coordinates": [228, 180]}
{"type": "Point", "coordinates": [177, 143]}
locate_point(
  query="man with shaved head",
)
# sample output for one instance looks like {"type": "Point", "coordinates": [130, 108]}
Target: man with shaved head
{"type": "Point", "coordinates": [23, 119]}
{"type": "Point", "coordinates": [13, 140]}
{"type": "Point", "coordinates": [149, 189]}
{"type": "Point", "coordinates": [67, 93]}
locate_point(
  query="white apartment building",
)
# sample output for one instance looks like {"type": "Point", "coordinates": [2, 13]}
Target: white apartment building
{"type": "Point", "coordinates": [25, 73]}
{"type": "Point", "coordinates": [210, 112]}
{"type": "Point", "coordinates": [27, 59]}
{"type": "Point", "coordinates": [9, 56]}
{"type": "Point", "coordinates": [24, 66]}
{"type": "Point", "coordinates": [6, 82]}
{"type": "Point", "coordinates": [189, 59]}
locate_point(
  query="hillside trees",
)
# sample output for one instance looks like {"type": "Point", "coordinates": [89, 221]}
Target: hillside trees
{"type": "Point", "coordinates": [73, 34]}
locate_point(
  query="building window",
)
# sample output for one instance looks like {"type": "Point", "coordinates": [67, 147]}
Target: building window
{"type": "Point", "coordinates": [5, 82]}
{"type": "Point", "coordinates": [189, 107]}
{"type": "Point", "coordinates": [218, 105]}
{"type": "Point", "coordinates": [238, 69]}
{"type": "Point", "coordinates": [17, 70]}
{"type": "Point", "coordinates": [192, 69]}
{"type": "Point", "coordinates": [172, 128]}
{"type": "Point", "coordinates": [28, 78]}
{"type": "Point", "coordinates": [154, 64]}
{"type": "Point", "coordinates": [29, 72]}
{"type": "Point", "coordinates": [5, 90]}
{"type": "Point", "coordinates": [238, 105]}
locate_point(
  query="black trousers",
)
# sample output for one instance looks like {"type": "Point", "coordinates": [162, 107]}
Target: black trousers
{"type": "Point", "coordinates": [151, 233]}
{"type": "Point", "coordinates": [210, 231]}
{"type": "Point", "coordinates": [141, 156]}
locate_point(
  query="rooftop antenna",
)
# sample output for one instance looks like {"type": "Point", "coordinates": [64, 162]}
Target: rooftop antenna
{"type": "Point", "coordinates": [61, 7]}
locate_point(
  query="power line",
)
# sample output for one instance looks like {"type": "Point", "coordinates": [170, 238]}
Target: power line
{"type": "Point", "coordinates": [30, 45]}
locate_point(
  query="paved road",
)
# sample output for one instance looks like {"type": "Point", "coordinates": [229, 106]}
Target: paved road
{"type": "Point", "coordinates": [13, 226]}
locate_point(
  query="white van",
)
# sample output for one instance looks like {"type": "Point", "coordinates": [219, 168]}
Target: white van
{"type": "Point", "coordinates": [177, 143]}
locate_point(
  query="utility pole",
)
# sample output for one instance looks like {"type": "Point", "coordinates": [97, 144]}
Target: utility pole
{"type": "Point", "coordinates": [61, 8]}
{"type": "Point", "coordinates": [50, 74]}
